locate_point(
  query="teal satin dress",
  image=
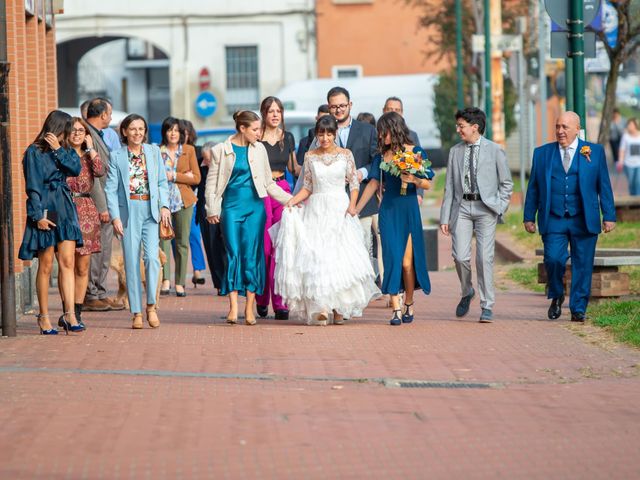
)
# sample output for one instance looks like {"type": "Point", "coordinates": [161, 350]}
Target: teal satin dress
{"type": "Point", "coordinates": [243, 219]}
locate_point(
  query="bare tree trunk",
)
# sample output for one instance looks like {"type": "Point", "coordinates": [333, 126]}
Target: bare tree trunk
{"type": "Point", "coordinates": [609, 101]}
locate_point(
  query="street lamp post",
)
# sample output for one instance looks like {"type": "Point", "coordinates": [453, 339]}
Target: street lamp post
{"type": "Point", "coordinates": [459, 70]}
{"type": "Point", "coordinates": [576, 27]}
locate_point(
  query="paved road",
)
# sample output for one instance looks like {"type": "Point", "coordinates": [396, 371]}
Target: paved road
{"type": "Point", "coordinates": [520, 398]}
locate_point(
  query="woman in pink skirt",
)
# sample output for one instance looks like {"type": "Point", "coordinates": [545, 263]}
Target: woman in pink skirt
{"type": "Point", "coordinates": [280, 146]}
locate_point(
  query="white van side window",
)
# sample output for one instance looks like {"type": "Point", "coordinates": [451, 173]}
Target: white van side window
{"type": "Point", "coordinates": [346, 71]}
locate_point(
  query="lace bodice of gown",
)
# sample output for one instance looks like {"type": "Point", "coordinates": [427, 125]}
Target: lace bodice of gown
{"type": "Point", "coordinates": [328, 172]}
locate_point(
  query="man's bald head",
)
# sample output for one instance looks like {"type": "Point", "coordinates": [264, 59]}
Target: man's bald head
{"type": "Point", "coordinates": [567, 128]}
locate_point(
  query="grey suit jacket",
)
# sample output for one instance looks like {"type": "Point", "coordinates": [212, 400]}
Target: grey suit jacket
{"type": "Point", "coordinates": [97, 191]}
{"type": "Point", "coordinates": [493, 177]}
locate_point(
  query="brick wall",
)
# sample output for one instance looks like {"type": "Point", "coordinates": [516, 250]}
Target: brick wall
{"type": "Point", "coordinates": [32, 94]}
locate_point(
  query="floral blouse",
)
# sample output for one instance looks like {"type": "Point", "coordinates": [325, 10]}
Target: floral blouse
{"type": "Point", "coordinates": [170, 164]}
{"type": "Point", "coordinates": [138, 174]}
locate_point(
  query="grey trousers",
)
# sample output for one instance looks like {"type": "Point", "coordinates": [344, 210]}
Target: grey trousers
{"type": "Point", "coordinates": [476, 217]}
{"type": "Point", "coordinates": [100, 263]}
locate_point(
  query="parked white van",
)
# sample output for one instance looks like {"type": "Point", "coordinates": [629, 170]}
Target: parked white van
{"type": "Point", "coordinates": [368, 95]}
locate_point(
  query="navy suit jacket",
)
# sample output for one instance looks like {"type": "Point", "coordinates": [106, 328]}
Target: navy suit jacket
{"type": "Point", "coordinates": [593, 179]}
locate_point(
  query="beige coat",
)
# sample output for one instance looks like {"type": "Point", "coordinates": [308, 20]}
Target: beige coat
{"type": "Point", "coordinates": [222, 162]}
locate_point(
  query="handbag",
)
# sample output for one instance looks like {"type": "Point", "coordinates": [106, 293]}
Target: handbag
{"type": "Point", "coordinates": [166, 231]}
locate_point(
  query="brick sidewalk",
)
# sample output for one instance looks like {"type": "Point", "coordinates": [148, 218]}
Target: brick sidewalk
{"type": "Point", "coordinates": [200, 399]}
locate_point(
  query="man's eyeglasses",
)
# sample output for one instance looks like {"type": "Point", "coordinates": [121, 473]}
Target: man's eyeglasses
{"type": "Point", "coordinates": [460, 126]}
{"type": "Point", "coordinates": [78, 130]}
{"type": "Point", "coordinates": [335, 108]}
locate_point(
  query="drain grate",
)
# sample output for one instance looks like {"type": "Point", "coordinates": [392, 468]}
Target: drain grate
{"type": "Point", "coordinates": [433, 384]}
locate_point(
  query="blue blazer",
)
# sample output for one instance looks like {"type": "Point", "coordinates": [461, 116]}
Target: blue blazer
{"type": "Point", "coordinates": [593, 179]}
{"type": "Point", "coordinates": [117, 186]}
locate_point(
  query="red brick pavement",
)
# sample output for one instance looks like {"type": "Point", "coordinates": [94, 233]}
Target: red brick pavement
{"type": "Point", "coordinates": [197, 398]}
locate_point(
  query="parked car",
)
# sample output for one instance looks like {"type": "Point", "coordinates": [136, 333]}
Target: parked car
{"type": "Point", "coordinates": [215, 135]}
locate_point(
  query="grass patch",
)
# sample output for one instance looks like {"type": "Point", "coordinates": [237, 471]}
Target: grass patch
{"type": "Point", "coordinates": [622, 319]}
{"type": "Point", "coordinates": [625, 235]}
{"type": "Point", "coordinates": [634, 278]}
{"type": "Point", "coordinates": [527, 277]}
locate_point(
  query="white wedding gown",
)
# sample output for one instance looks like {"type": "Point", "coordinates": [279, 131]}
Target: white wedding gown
{"type": "Point", "coordinates": [321, 260]}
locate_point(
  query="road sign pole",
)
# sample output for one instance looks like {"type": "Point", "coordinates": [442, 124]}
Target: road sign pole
{"type": "Point", "coordinates": [488, 101]}
{"type": "Point", "coordinates": [568, 79]}
{"type": "Point", "coordinates": [576, 25]}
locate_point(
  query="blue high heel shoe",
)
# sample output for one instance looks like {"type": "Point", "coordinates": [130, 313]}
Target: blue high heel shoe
{"type": "Point", "coordinates": [62, 322]}
{"type": "Point", "coordinates": [396, 320]}
{"type": "Point", "coordinates": [406, 318]}
{"type": "Point", "coordinates": [51, 331]}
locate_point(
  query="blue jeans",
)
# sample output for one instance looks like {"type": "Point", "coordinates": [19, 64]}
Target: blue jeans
{"type": "Point", "coordinates": [633, 178]}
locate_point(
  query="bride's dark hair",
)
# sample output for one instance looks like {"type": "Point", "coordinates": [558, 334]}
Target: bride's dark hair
{"type": "Point", "coordinates": [392, 123]}
{"type": "Point", "coordinates": [328, 124]}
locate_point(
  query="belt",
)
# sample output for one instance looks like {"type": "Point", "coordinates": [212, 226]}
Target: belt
{"type": "Point", "coordinates": [277, 179]}
{"type": "Point", "coordinates": [135, 196]}
{"type": "Point", "coordinates": [471, 196]}
{"type": "Point", "coordinates": [80, 195]}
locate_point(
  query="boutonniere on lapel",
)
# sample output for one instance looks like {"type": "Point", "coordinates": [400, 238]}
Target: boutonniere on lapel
{"type": "Point", "coordinates": [585, 151]}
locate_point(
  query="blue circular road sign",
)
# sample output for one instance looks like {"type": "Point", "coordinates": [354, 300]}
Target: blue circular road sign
{"type": "Point", "coordinates": [206, 104]}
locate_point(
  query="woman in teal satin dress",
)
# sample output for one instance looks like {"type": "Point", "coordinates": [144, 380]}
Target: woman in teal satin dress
{"type": "Point", "coordinates": [239, 178]}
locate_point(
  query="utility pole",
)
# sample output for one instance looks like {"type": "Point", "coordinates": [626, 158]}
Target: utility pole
{"type": "Point", "coordinates": [488, 101]}
{"type": "Point", "coordinates": [576, 27]}
{"type": "Point", "coordinates": [7, 267]}
{"type": "Point", "coordinates": [497, 78]}
{"type": "Point", "coordinates": [459, 70]}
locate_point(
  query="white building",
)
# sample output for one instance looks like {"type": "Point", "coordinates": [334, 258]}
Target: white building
{"type": "Point", "coordinates": [147, 56]}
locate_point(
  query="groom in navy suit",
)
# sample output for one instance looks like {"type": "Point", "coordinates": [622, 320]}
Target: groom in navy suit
{"type": "Point", "coordinates": [568, 188]}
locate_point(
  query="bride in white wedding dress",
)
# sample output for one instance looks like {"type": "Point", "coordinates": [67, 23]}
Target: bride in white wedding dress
{"type": "Point", "coordinates": [323, 271]}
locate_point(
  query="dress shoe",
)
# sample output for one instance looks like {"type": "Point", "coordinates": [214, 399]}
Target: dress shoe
{"type": "Point", "coordinates": [152, 316]}
{"type": "Point", "coordinates": [136, 322]}
{"type": "Point", "coordinates": [96, 305]}
{"type": "Point", "coordinates": [463, 307]}
{"type": "Point", "coordinates": [113, 303]}
{"type": "Point", "coordinates": [578, 317]}
{"type": "Point", "coordinates": [67, 326]}
{"type": "Point", "coordinates": [555, 310]}
{"type": "Point", "coordinates": [396, 320]}
{"type": "Point", "coordinates": [182, 293]}
{"type": "Point", "coordinates": [407, 316]}
{"type": "Point", "coordinates": [45, 331]}
{"type": "Point", "coordinates": [282, 315]}
{"type": "Point", "coordinates": [263, 310]}
{"type": "Point", "coordinates": [486, 316]}
{"type": "Point", "coordinates": [197, 281]}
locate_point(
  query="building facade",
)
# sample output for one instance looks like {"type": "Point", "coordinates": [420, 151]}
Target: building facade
{"type": "Point", "coordinates": [371, 37]}
{"type": "Point", "coordinates": [236, 53]}
{"type": "Point", "coordinates": [32, 88]}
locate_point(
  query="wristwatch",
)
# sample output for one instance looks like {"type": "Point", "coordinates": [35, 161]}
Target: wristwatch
{"type": "Point", "coordinates": [87, 150]}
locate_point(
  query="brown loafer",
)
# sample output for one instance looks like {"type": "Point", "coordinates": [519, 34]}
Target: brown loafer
{"type": "Point", "coordinates": [137, 321]}
{"type": "Point", "coordinates": [152, 317]}
{"type": "Point", "coordinates": [113, 303]}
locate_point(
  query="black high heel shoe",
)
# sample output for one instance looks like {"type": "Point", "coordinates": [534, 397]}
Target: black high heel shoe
{"type": "Point", "coordinates": [51, 331]}
{"type": "Point", "coordinates": [406, 317]}
{"type": "Point", "coordinates": [396, 320]}
{"type": "Point", "coordinates": [62, 322]}
{"type": "Point", "coordinates": [78, 311]}
{"type": "Point", "coordinates": [183, 293]}
{"type": "Point", "coordinates": [197, 281]}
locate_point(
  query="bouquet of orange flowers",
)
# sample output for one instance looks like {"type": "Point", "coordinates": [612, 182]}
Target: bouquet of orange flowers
{"type": "Point", "coordinates": [406, 162]}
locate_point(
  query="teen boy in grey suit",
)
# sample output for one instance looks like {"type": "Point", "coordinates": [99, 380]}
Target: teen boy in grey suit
{"type": "Point", "coordinates": [477, 191]}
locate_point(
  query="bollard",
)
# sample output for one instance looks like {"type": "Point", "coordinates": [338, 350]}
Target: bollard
{"type": "Point", "coordinates": [430, 237]}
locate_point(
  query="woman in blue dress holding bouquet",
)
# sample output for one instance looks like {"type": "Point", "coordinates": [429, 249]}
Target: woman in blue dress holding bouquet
{"type": "Point", "coordinates": [401, 168]}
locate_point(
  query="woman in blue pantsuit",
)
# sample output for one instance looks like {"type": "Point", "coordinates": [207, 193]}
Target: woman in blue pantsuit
{"type": "Point", "coordinates": [138, 199]}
